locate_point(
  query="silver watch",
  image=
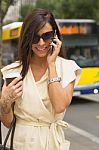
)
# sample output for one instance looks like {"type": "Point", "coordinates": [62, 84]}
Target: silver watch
{"type": "Point", "coordinates": [55, 79]}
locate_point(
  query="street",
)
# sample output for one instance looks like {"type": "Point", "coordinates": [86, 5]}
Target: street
{"type": "Point", "coordinates": [83, 117]}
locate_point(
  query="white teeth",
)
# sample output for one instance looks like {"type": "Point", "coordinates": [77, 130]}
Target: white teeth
{"type": "Point", "coordinates": [42, 49]}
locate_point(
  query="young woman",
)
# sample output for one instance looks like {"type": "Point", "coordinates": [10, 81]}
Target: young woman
{"type": "Point", "coordinates": [45, 88]}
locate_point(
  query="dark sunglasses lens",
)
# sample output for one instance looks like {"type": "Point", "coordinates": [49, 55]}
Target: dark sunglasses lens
{"type": "Point", "coordinates": [36, 39]}
{"type": "Point", "coordinates": [48, 36]}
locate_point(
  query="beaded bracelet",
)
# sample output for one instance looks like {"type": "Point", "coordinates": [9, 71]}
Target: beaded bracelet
{"type": "Point", "coordinates": [55, 79]}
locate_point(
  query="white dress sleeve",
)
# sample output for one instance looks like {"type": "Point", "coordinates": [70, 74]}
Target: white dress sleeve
{"type": "Point", "coordinates": [70, 71]}
{"type": "Point", "coordinates": [12, 68]}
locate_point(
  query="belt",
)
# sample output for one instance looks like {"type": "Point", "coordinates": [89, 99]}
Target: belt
{"type": "Point", "coordinates": [41, 123]}
{"type": "Point", "coordinates": [53, 126]}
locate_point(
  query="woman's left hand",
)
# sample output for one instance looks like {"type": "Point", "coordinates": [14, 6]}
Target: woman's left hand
{"type": "Point", "coordinates": [51, 58]}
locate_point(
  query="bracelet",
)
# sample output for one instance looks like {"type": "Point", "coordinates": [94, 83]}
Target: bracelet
{"type": "Point", "coordinates": [55, 79]}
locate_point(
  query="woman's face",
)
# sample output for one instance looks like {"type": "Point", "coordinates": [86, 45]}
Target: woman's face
{"type": "Point", "coordinates": [41, 43]}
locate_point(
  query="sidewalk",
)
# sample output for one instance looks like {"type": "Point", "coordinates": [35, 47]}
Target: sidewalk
{"type": "Point", "coordinates": [79, 142]}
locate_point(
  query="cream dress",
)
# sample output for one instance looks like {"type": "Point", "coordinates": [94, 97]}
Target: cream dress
{"type": "Point", "coordinates": [38, 127]}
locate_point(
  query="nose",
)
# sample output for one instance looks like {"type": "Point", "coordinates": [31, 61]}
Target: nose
{"type": "Point", "coordinates": [41, 42]}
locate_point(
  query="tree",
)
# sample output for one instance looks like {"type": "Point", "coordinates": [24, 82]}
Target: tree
{"type": "Point", "coordinates": [81, 9]}
{"type": "Point", "coordinates": [52, 5]}
{"type": "Point", "coordinates": [24, 10]}
{"type": "Point", "coordinates": [72, 9]}
{"type": "Point", "coordinates": [4, 5]}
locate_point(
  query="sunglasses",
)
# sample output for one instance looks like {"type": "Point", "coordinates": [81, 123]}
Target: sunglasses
{"type": "Point", "coordinates": [45, 36]}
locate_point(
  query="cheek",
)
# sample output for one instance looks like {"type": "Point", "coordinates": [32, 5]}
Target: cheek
{"type": "Point", "coordinates": [48, 43]}
{"type": "Point", "coordinates": [33, 47]}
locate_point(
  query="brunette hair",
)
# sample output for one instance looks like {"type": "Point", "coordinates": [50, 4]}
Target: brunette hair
{"type": "Point", "coordinates": [33, 22]}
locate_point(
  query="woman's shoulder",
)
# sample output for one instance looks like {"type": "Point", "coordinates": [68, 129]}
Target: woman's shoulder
{"type": "Point", "coordinates": [11, 66]}
{"type": "Point", "coordinates": [67, 62]}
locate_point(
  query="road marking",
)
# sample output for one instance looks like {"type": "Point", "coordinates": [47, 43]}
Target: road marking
{"type": "Point", "coordinates": [84, 133]}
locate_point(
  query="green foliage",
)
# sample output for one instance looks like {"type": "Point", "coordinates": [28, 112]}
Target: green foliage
{"type": "Point", "coordinates": [71, 9]}
{"type": "Point", "coordinates": [24, 10]}
{"type": "Point", "coordinates": [84, 9]}
{"type": "Point", "coordinates": [52, 5]}
{"type": "Point", "coordinates": [7, 22]}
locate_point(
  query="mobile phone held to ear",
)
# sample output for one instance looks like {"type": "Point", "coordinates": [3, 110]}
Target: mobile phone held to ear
{"type": "Point", "coordinates": [53, 42]}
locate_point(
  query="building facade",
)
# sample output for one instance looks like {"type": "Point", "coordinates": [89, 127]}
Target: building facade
{"type": "Point", "coordinates": [13, 11]}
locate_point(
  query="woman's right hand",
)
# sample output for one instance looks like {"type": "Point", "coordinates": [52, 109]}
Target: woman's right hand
{"type": "Point", "coordinates": [11, 93]}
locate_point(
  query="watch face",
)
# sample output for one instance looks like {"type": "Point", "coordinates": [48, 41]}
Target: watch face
{"type": "Point", "coordinates": [55, 79]}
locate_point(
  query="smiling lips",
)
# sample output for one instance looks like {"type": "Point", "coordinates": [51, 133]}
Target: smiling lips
{"type": "Point", "coordinates": [42, 49]}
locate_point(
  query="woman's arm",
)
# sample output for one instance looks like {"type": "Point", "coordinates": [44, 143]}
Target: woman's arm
{"type": "Point", "coordinates": [6, 118]}
{"type": "Point", "coordinates": [60, 97]}
{"type": "Point", "coordinates": [9, 95]}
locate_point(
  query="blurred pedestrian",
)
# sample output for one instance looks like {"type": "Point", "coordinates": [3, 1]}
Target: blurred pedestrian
{"type": "Point", "coordinates": [45, 88]}
{"type": "Point", "coordinates": [77, 56]}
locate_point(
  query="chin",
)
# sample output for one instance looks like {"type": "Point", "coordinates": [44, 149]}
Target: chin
{"type": "Point", "coordinates": [41, 55]}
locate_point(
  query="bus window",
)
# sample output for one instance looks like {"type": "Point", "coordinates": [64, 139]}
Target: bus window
{"type": "Point", "coordinates": [77, 55]}
{"type": "Point", "coordinates": [87, 53]}
{"type": "Point", "coordinates": [84, 57]}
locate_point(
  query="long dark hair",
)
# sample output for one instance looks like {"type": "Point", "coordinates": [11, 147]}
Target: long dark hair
{"type": "Point", "coordinates": [33, 22]}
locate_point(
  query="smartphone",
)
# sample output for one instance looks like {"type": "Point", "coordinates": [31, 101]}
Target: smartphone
{"type": "Point", "coordinates": [11, 76]}
{"type": "Point", "coordinates": [53, 42]}
{"type": "Point", "coordinates": [9, 80]}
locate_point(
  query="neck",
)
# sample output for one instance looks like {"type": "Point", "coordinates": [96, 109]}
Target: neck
{"type": "Point", "coordinates": [39, 61]}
